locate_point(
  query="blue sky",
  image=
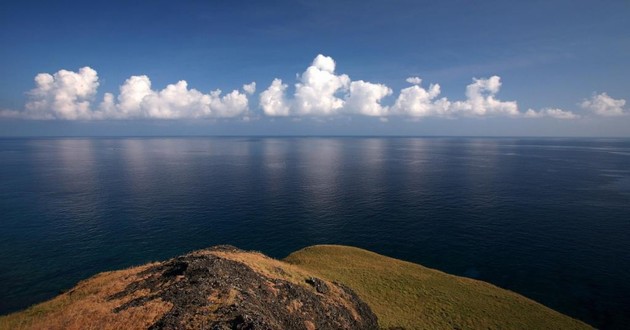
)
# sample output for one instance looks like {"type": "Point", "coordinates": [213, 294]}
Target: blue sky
{"type": "Point", "coordinates": [541, 68]}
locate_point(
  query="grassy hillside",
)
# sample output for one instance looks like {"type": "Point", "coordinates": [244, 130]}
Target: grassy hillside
{"type": "Point", "coordinates": [87, 305]}
{"type": "Point", "coordinates": [221, 283]}
{"type": "Point", "coordinates": [408, 295]}
{"type": "Point", "coordinates": [217, 288]}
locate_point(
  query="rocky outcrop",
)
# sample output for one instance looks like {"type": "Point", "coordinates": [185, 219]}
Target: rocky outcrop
{"type": "Point", "coordinates": [211, 291]}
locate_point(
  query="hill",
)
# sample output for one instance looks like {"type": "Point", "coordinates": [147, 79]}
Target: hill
{"type": "Point", "coordinates": [217, 288]}
{"type": "Point", "coordinates": [408, 295]}
{"type": "Point", "coordinates": [314, 288]}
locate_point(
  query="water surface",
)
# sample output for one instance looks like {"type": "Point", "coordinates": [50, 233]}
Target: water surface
{"type": "Point", "coordinates": [548, 218]}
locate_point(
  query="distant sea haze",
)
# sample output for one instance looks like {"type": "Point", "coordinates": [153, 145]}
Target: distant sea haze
{"type": "Point", "coordinates": [547, 218]}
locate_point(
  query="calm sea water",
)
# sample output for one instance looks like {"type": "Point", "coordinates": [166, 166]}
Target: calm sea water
{"type": "Point", "coordinates": [548, 218]}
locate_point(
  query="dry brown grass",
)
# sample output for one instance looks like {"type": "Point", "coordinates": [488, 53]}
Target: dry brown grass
{"type": "Point", "coordinates": [264, 265]}
{"type": "Point", "coordinates": [87, 306]}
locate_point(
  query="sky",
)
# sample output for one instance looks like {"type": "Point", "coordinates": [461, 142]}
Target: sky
{"type": "Point", "coordinates": [396, 67]}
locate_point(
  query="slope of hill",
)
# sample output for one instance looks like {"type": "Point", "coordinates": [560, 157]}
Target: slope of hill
{"type": "Point", "coordinates": [408, 295]}
{"type": "Point", "coordinates": [314, 288]}
{"type": "Point", "coordinates": [217, 288]}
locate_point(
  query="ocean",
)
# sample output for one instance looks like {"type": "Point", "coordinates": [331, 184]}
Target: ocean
{"type": "Point", "coordinates": [547, 218]}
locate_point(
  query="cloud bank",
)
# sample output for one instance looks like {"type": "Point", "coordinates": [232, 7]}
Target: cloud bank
{"type": "Point", "coordinates": [416, 101]}
{"type": "Point", "coordinates": [318, 92]}
{"type": "Point", "coordinates": [71, 96]}
{"type": "Point", "coordinates": [550, 112]}
{"type": "Point", "coordinates": [604, 105]}
{"type": "Point", "coordinates": [65, 95]}
{"type": "Point", "coordinates": [322, 92]}
{"type": "Point", "coordinates": [138, 100]}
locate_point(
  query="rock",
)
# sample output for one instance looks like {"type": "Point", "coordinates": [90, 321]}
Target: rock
{"type": "Point", "coordinates": [210, 291]}
{"type": "Point", "coordinates": [318, 284]}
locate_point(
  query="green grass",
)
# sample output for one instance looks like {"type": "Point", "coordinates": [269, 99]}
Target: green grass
{"type": "Point", "coordinates": [403, 294]}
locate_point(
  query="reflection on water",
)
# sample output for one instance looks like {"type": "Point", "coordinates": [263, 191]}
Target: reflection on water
{"type": "Point", "coordinates": [66, 186]}
{"type": "Point", "coordinates": [371, 160]}
{"type": "Point", "coordinates": [320, 167]}
{"type": "Point", "coordinates": [136, 167]}
{"type": "Point", "coordinates": [482, 173]}
{"type": "Point", "coordinates": [275, 165]}
{"type": "Point", "coordinates": [76, 175]}
{"type": "Point", "coordinates": [546, 218]}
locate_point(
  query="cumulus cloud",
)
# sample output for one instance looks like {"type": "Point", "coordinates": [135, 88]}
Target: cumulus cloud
{"type": "Point", "coordinates": [550, 112]}
{"type": "Point", "coordinates": [132, 93]}
{"type": "Point", "coordinates": [604, 105]}
{"type": "Point", "coordinates": [322, 92]}
{"type": "Point", "coordinates": [64, 95]}
{"type": "Point", "coordinates": [318, 92]}
{"type": "Point", "coordinates": [70, 95]}
{"type": "Point", "coordinates": [250, 88]}
{"type": "Point", "coordinates": [9, 113]}
{"type": "Point", "coordinates": [138, 100]}
{"type": "Point", "coordinates": [481, 101]}
{"type": "Point", "coordinates": [416, 101]}
{"type": "Point", "coordinates": [273, 100]}
{"type": "Point", "coordinates": [365, 97]}
{"type": "Point", "coordinates": [414, 80]}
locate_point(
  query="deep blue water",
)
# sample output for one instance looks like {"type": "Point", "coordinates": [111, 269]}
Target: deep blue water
{"type": "Point", "coordinates": [548, 218]}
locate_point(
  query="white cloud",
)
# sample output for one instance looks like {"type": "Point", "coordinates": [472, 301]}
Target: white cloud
{"type": "Point", "coordinates": [176, 101]}
{"type": "Point", "coordinates": [8, 113]}
{"type": "Point", "coordinates": [316, 93]}
{"type": "Point", "coordinates": [560, 114]}
{"type": "Point", "coordinates": [481, 101]}
{"type": "Point", "coordinates": [414, 80]}
{"type": "Point", "coordinates": [137, 99]}
{"type": "Point", "coordinates": [132, 92]}
{"type": "Point", "coordinates": [107, 108]}
{"type": "Point", "coordinates": [604, 105]}
{"type": "Point", "coordinates": [69, 95]}
{"type": "Point", "coordinates": [321, 92]}
{"type": "Point", "coordinates": [63, 95]}
{"type": "Point", "coordinates": [273, 100]}
{"type": "Point", "coordinates": [416, 101]}
{"type": "Point", "coordinates": [550, 112]}
{"type": "Point", "coordinates": [250, 88]}
{"type": "Point", "coordinates": [231, 105]}
{"type": "Point", "coordinates": [365, 98]}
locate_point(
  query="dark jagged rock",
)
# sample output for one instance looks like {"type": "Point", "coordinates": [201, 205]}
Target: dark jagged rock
{"type": "Point", "coordinates": [209, 291]}
{"type": "Point", "coordinates": [318, 284]}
